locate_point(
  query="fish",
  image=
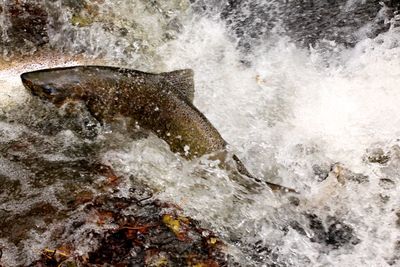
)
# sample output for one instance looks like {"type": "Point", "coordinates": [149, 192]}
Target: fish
{"type": "Point", "coordinates": [159, 102]}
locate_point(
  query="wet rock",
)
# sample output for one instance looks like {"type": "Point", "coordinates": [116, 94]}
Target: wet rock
{"type": "Point", "coordinates": [84, 13]}
{"type": "Point", "coordinates": [16, 227]}
{"type": "Point", "coordinates": [393, 261]}
{"type": "Point", "coordinates": [73, 200]}
{"type": "Point", "coordinates": [332, 232]}
{"type": "Point", "coordinates": [317, 228]}
{"type": "Point", "coordinates": [386, 183]}
{"type": "Point", "coordinates": [69, 27]}
{"type": "Point", "coordinates": [343, 174]}
{"type": "Point", "coordinates": [340, 234]}
{"type": "Point", "coordinates": [340, 21]}
{"type": "Point", "coordinates": [377, 155]}
{"type": "Point", "coordinates": [384, 198]}
{"type": "Point", "coordinates": [320, 172]}
{"type": "Point", "coordinates": [295, 225]}
{"type": "Point", "coordinates": [392, 3]}
{"type": "Point", "coordinates": [141, 237]}
{"type": "Point", "coordinates": [295, 201]}
{"type": "Point", "coordinates": [260, 254]}
{"type": "Point", "coordinates": [307, 22]}
{"type": "Point", "coordinates": [9, 187]}
{"type": "Point", "coordinates": [28, 25]}
{"type": "Point", "coordinates": [76, 5]}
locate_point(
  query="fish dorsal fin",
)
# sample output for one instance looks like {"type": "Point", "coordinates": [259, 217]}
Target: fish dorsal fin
{"type": "Point", "coordinates": [181, 81]}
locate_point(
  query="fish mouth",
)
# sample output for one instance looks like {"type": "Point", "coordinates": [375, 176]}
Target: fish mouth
{"type": "Point", "coordinates": [27, 82]}
{"type": "Point", "coordinates": [32, 87]}
{"type": "Point", "coordinates": [45, 92]}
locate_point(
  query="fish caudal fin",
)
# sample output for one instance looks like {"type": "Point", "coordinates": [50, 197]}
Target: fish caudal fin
{"type": "Point", "coordinates": [181, 81]}
{"type": "Point", "coordinates": [274, 187]}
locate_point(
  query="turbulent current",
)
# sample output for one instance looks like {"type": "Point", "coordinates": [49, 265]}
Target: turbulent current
{"type": "Point", "coordinates": [305, 92]}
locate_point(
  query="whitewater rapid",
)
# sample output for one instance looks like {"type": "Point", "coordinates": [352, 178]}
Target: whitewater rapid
{"type": "Point", "coordinates": [296, 111]}
{"type": "Point", "coordinates": [304, 117]}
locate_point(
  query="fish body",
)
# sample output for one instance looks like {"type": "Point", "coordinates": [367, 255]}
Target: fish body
{"type": "Point", "coordinates": [161, 103]}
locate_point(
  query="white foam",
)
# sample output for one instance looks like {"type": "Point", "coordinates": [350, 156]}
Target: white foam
{"type": "Point", "coordinates": [295, 108]}
{"type": "Point", "coordinates": [12, 92]}
{"type": "Point", "coordinates": [292, 109]}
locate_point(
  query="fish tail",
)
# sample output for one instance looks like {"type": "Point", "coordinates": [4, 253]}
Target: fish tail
{"type": "Point", "coordinates": [274, 187]}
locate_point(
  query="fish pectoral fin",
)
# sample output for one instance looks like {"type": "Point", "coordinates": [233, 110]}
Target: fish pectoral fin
{"type": "Point", "coordinates": [180, 81]}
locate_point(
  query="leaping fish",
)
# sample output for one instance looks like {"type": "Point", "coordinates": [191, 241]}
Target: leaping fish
{"type": "Point", "coordinates": [161, 103]}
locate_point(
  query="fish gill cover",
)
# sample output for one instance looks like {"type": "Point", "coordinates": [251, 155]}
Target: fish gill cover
{"type": "Point", "coordinates": [306, 93]}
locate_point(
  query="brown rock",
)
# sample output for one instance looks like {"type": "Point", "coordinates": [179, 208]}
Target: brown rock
{"type": "Point", "coordinates": [377, 155]}
{"type": "Point", "coordinates": [28, 24]}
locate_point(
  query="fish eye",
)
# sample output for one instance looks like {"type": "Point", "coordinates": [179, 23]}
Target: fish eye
{"type": "Point", "coordinates": [48, 89]}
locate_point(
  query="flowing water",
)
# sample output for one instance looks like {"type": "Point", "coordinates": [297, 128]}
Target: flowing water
{"type": "Point", "coordinates": [311, 108]}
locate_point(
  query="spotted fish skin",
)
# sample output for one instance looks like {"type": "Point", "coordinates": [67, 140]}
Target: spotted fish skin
{"type": "Point", "coordinates": [161, 103]}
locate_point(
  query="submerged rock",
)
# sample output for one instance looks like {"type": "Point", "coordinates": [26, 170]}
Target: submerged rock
{"type": "Point", "coordinates": [134, 29]}
{"type": "Point", "coordinates": [331, 232]}
{"type": "Point", "coordinates": [320, 172]}
{"type": "Point", "coordinates": [398, 219]}
{"type": "Point", "coordinates": [56, 196]}
{"type": "Point", "coordinates": [24, 26]}
{"type": "Point", "coordinates": [306, 22]}
{"type": "Point", "coordinates": [141, 238]}
{"type": "Point", "coordinates": [343, 174]}
{"type": "Point", "coordinates": [340, 234]}
{"type": "Point", "coordinates": [387, 183]}
{"type": "Point", "coordinates": [377, 155]}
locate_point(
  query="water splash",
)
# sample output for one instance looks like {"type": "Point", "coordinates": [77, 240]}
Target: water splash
{"type": "Point", "coordinates": [320, 119]}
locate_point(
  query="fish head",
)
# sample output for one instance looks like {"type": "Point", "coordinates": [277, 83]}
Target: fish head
{"type": "Point", "coordinates": [56, 85]}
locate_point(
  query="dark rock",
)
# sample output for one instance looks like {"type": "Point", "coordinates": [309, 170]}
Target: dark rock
{"type": "Point", "coordinates": [76, 5]}
{"type": "Point", "coordinates": [9, 186]}
{"type": "Point", "coordinates": [28, 25]}
{"type": "Point", "coordinates": [262, 253]}
{"type": "Point", "coordinates": [331, 232]}
{"type": "Point", "coordinates": [16, 227]}
{"type": "Point", "coordinates": [386, 183]}
{"type": "Point", "coordinates": [135, 229]}
{"type": "Point", "coordinates": [318, 229]}
{"type": "Point", "coordinates": [358, 177]}
{"type": "Point", "coordinates": [142, 238]}
{"type": "Point", "coordinates": [295, 225]}
{"type": "Point", "coordinates": [343, 174]}
{"type": "Point", "coordinates": [395, 259]}
{"type": "Point", "coordinates": [307, 22]}
{"type": "Point", "coordinates": [377, 155]}
{"type": "Point", "coordinates": [310, 21]}
{"type": "Point", "coordinates": [295, 201]}
{"type": "Point", "coordinates": [384, 198]}
{"type": "Point", "coordinates": [395, 4]}
{"type": "Point", "coordinates": [320, 172]}
{"type": "Point", "coordinates": [340, 234]}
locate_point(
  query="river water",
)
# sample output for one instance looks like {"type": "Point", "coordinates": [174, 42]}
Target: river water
{"type": "Point", "coordinates": [317, 114]}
